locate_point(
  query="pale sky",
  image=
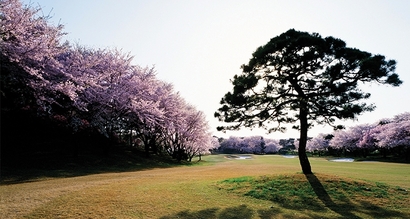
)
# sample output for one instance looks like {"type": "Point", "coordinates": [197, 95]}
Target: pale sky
{"type": "Point", "coordinates": [199, 45]}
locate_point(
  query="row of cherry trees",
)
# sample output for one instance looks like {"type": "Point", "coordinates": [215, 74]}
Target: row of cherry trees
{"type": "Point", "coordinates": [92, 89]}
{"type": "Point", "coordinates": [252, 145]}
{"type": "Point", "coordinates": [386, 135]}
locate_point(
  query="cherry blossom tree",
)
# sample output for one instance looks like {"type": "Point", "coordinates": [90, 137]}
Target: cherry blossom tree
{"type": "Point", "coordinates": [31, 43]}
{"type": "Point", "coordinates": [251, 144]}
{"type": "Point", "coordinates": [254, 144]}
{"type": "Point", "coordinates": [98, 89]}
{"type": "Point", "coordinates": [231, 145]}
{"type": "Point", "coordinates": [343, 140]}
{"type": "Point", "coordinates": [402, 117]}
{"type": "Point", "coordinates": [385, 135]}
{"type": "Point", "coordinates": [193, 134]}
{"type": "Point", "coordinates": [176, 109]}
{"type": "Point", "coordinates": [272, 146]}
{"type": "Point", "coordinates": [120, 96]}
{"type": "Point", "coordinates": [353, 140]}
{"type": "Point", "coordinates": [204, 145]}
{"type": "Point", "coordinates": [393, 133]}
{"type": "Point", "coordinates": [198, 136]}
{"type": "Point", "coordinates": [172, 106]}
{"type": "Point", "coordinates": [200, 145]}
{"type": "Point", "coordinates": [318, 144]}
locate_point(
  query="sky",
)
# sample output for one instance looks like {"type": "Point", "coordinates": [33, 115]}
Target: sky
{"type": "Point", "coordinates": [199, 45]}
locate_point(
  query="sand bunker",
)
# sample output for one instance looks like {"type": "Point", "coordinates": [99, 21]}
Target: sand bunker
{"type": "Point", "coordinates": [289, 156]}
{"type": "Point", "coordinates": [239, 157]}
{"type": "Point", "coordinates": [342, 160]}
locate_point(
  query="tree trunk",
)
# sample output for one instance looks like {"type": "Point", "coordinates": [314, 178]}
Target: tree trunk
{"type": "Point", "coordinates": [146, 146]}
{"type": "Point", "coordinates": [154, 146]}
{"type": "Point", "coordinates": [130, 140]}
{"type": "Point", "coordinates": [303, 159]}
{"type": "Point", "coordinates": [384, 151]}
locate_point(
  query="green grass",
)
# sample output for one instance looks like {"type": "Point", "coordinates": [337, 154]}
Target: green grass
{"type": "Point", "coordinates": [264, 187]}
{"type": "Point", "coordinates": [323, 194]}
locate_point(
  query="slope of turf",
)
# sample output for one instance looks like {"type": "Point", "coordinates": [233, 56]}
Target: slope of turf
{"type": "Point", "coordinates": [316, 195]}
{"type": "Point", "coordinates": [262, 187]}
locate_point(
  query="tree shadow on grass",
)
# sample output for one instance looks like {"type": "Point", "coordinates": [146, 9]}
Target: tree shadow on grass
{"type": "Point", "coordinates": [39, 168]}
{"type": "Point", "coordinates": [346, 208]}
{"type": "Point", "coordinates": [304, 196]}
{"type": "Point", "coordinates": [202, 214]}
{"type": "Point", "coordinates": [239, 212]}
{"type": "Point", "coordinates": [324, 197]}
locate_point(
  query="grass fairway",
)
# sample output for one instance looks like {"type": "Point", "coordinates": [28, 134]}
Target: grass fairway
{"type": "Point", "coordinates": [263, 187]}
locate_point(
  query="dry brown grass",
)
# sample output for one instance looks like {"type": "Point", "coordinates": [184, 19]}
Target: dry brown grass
{"type": "Point", "coordinates": [180, 192]}
{"type": "Point", "coordinates": [146, 193]}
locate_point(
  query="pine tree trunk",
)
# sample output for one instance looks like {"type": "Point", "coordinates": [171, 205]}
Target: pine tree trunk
{"type": "Point", "coordinates": [303, 159]}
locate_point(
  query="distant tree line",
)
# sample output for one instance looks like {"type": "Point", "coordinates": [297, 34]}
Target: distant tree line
{"type": "Point", "coordinates": [56, 96]}
{"type": "Point", "coordinates": [255, 145]}
{"type": "Point", "coordinates": [386, 137]}
{"type": "Point", "coordinates": [390, 136]}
